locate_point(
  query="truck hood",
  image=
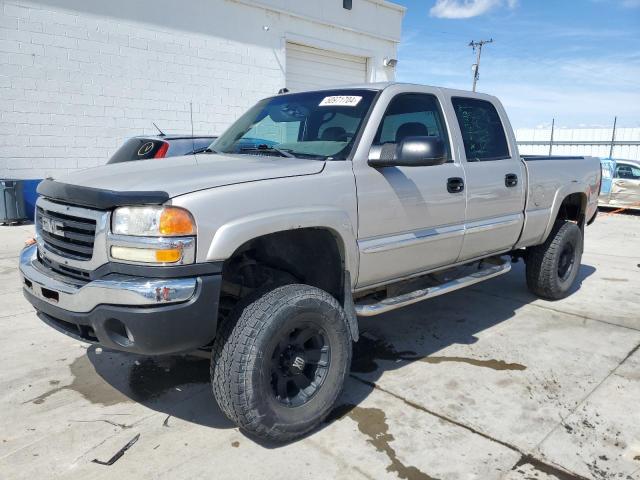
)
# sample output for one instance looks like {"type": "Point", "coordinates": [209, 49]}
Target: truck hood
{"type": "Point", "coordinates": [180, 175]}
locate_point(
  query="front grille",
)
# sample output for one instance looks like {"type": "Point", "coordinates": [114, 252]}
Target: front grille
{"type": "Point", "coordinates": [66, 235]}
{"type": "Point", "coordinates": [81, 276]}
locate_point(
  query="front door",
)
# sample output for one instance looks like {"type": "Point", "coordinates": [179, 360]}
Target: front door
{"type": "Point", "coordinates": [495, 180]}
{"type": "Point", "coordinates": [409, 220]}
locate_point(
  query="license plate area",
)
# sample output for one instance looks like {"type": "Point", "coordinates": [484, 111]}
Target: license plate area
{"type": "Point", "coordinates": [50, 295]}
{"type": "Point", "coordinates": [45, 293]}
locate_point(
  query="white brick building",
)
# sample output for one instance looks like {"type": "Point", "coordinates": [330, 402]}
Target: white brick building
{"type": "Point", "coordinates": [78, 77]}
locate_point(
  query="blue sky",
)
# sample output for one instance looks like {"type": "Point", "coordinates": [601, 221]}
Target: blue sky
{"type": "Point", "coordinates": [575, 60]}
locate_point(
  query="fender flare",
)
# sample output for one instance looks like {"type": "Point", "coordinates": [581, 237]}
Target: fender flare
{"type": "Point", "coordinates": [560, 196]}
{"type": "Point", "coordinates": [230, 236]}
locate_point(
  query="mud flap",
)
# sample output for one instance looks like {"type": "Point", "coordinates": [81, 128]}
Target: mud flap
{"type": "Point", "coordinates": [350, 308]}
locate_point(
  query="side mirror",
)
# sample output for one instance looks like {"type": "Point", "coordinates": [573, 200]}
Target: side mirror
{"type": "Point", "coordinates": [410, 152]}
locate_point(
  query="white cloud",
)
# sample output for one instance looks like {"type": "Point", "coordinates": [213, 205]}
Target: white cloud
{"type": "Point", "coordinates": [468, 8]}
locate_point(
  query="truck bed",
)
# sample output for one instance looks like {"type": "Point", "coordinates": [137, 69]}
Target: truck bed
{"type": "Point", "coordinates": [532, 158]}
{"type": "Point", "coordinates": [549, 178]}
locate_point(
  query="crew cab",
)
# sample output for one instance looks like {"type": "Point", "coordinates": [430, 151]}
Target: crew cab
{"type": "Point", "coordinates": [312, 209]}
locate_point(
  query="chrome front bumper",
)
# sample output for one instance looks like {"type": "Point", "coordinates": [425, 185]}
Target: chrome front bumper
{"type": "Point", "coordinates": [115, 289]}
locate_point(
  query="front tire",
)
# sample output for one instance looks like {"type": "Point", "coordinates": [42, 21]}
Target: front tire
{"type": "Point", "coordinates": [280, 361]}
{"type": "Point", "coordinates": [552, 267]}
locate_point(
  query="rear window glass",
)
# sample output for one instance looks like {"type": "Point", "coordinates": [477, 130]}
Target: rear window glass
{"type": "Point", "coordinates": [186, 146]}
{"type": "Point", "coordinates": [136, 149]}
{"type": "Point", "coordinates": [482, 130]}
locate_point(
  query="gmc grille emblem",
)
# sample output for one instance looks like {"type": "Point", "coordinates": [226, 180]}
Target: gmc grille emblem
{"type": "Point", "coordinates": [54, 227]}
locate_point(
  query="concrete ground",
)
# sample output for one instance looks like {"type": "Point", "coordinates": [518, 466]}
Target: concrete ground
{"type": "Point", "coordinates": [486, 383]}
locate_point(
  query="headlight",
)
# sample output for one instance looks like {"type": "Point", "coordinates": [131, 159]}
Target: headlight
{"type": "Point", "coordinates": [152, 235]}
{"type": "Point", "coordinates": [153, 222]}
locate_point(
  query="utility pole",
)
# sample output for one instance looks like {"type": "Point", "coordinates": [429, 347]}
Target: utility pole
{"type": "Point", "coordinates": [553, 124]}
{"type": "Point", "coordinates": [477, 47]}
{"type": "Point", "coordinates": [613, 137]}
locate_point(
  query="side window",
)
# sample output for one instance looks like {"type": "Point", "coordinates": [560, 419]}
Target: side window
{"type": "Point", "coordinates": [482, 131]}
{"type": "Point", "coordinates": [628, 172]}
{"type": "Point", "coordinates": [412, 115]}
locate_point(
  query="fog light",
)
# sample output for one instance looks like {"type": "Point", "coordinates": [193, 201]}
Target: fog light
{"type": "Point", "coordinates": [146, 255]}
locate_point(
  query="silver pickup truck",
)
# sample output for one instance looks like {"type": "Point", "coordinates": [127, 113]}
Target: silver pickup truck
{"type": "Point", "coordinates": [312, 209]}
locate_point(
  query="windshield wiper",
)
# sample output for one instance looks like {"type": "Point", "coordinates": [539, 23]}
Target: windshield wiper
{"type": "Point", "coordinates": [204, 150]}
{"type": "Point", "coordinates": [267, 148]}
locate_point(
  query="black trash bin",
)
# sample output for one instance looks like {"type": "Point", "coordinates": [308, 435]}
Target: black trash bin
{"type": "Point", "coordinates": [12, 208]}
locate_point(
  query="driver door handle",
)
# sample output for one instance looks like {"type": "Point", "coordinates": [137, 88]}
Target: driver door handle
{"type": "Point", "coordinates": [510, 180]}
{"type": "Point", "coordinates": [455, 185]}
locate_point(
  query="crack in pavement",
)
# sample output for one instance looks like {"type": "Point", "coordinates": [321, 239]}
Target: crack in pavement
{"type": "Point", "coordinates": [123, 426]}
{"type": "Point", "coordinates": [118, 454]}
{"type": "Point", "coordinates": [591, 392]}
{"type": "Point", "coordinates": [530, 459]}
{"type": "Point", "coordinates": [93, 448]}
{"type": "Point", "coordinates": [435, 414]}
{"type": "Point", "coordinates": [633, 350]}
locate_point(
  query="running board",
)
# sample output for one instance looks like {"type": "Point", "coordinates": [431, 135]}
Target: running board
{"type": "Point", "coordinates": [495, 267]}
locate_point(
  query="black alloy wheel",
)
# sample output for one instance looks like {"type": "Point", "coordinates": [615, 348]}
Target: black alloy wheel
{"type": "Point", "coordinates": [299, 365]}
{"type": "Point", "coordinates": [566, 261]}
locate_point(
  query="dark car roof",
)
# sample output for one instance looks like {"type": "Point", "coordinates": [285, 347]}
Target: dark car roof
{"type": "Point", "coordinates": [174, 137]}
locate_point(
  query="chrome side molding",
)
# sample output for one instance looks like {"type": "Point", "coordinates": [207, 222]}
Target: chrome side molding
{"type": "Point", "coordinates": [489, 268]}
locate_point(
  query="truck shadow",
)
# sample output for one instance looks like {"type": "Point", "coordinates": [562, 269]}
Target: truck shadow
{"type": "Point", "coordinates": [179, 387]}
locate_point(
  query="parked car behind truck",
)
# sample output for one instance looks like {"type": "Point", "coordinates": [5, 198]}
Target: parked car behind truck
{"type": "Point", "coordinates": [620, 184]}
{"type": "Point", "coordinates": [160, 146]}
{"type": "Point", "coordinates": [355, 201]}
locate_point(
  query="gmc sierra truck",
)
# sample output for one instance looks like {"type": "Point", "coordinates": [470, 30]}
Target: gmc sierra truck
{"type": "Point", "coordinates": [312, 209]}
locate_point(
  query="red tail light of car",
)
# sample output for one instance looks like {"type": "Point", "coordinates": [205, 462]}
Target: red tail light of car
{"type": "Point", "coordinates": [162, 151]}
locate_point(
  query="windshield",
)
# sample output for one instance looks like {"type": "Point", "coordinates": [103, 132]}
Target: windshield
{"type": "Point", "coordinates": [319, 125]}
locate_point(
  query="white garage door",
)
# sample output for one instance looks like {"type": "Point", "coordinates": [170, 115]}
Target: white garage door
{"type": "Point", "coordinates": [309, 68]}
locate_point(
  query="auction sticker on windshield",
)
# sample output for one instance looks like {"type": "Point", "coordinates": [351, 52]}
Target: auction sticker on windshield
{"type": "Point", "coordinates": [340, 101]}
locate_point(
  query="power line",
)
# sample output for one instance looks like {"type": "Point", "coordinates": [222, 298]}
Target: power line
{"type": "Point", "coordinates": [477, 47]}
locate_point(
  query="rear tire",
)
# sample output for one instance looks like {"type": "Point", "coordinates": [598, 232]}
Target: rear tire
{"type": "Point", "coordinates": [280, 361]}
{"type": "Point", "coordinates": [552, 267]}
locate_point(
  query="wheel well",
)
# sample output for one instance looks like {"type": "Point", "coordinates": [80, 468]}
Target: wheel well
{"type": "Point", "coordinates": [313, 256]}
{"type": "Point", "coordinates": [573, 208]}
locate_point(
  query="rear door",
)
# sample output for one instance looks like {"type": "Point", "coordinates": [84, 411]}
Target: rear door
{"type": "Point", "coordinates": [494, 178]}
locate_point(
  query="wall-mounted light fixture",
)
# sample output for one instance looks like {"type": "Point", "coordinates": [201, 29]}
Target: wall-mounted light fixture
{"type": "Point", "coordinates": [390, 62]}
